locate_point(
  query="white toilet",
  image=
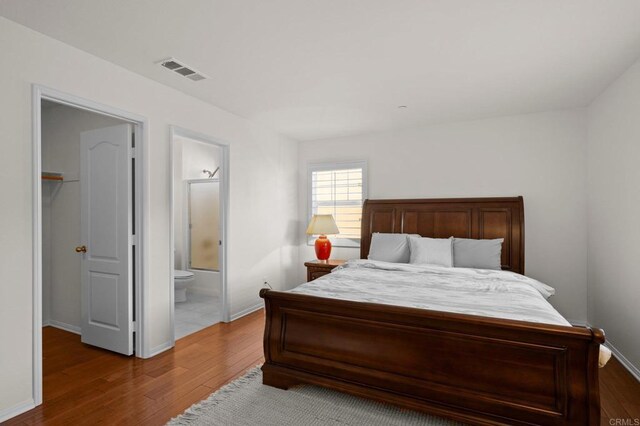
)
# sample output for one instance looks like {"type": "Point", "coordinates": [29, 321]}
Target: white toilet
{"type": "Point", "coordinates": [182, 280]}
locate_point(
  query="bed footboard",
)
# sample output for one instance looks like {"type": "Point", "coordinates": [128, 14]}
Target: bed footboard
{"type": "Point", "coordinates": [473, 369]}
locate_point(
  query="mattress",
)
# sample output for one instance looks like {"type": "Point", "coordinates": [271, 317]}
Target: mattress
{"type": "Point", "coordinates": [489, 293]}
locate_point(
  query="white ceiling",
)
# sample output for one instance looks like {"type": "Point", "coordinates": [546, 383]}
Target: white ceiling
{"type": "Point", "coordinates": [315, 69]}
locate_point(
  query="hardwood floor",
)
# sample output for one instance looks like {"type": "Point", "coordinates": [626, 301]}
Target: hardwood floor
{"type": "Point", "coordinates": [619, 396]}
{"type": "Point", "coordinates": [86, 385]}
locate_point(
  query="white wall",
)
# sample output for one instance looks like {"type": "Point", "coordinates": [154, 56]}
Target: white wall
{"type": "Point", "coordinates": [61, 129]}
{"type": "Point", "coordinates": [262, 179]}
{"type": "Point", "coordinates": [614, 214]}
{"type": "Point", "coordinates": [48, 190]}
{"type": "Point", "coordinates": [539, 156]}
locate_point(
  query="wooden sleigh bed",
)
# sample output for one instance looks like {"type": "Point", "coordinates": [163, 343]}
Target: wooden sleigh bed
{"type": "Point", "coordinates": [473, 369]}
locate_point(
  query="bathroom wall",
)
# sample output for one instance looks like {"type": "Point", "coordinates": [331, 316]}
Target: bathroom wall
{"type": "Point", "coordinates": [190, 158]}
{"type": "Point", "coordinates": [61, 129]}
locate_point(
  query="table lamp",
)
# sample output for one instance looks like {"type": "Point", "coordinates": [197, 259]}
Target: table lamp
{"type": "Point", "coordinates": [322, 224]}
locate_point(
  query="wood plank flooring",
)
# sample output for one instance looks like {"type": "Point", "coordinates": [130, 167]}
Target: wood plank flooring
{"type": "Point", "coordinates": [619, 395]}
{"type": "Point", "coordinates": [86, 385]}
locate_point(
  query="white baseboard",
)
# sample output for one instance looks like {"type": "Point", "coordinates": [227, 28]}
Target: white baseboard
{"type": "Point", "coordinates": [16, 410]}
{"type": "Point", "coordinates": [159, 349]}
{"type": "Point", "coordinates": [62, 326]}
{"type": "Point", "coordinates": [635, 372]}
{"type": "Point", "coordinates": [247, 311]}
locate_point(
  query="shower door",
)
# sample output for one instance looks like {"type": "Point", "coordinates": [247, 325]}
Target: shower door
{"type": "Point", "coordinates": [204, 224]}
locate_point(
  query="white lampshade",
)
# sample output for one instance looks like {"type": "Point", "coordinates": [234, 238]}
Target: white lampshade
{"type": "Point", "coordinates": [322, 224]}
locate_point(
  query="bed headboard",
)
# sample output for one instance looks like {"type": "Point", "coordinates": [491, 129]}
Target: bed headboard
{"type": "Point", "coordinates": [445, 217]}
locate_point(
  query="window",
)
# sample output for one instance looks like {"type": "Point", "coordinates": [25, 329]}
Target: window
{"type": "Point", "coordinates": [339, 189]}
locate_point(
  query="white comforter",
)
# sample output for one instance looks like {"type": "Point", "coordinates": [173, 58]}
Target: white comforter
{"type": "Point", "coordinates": [498, 294]}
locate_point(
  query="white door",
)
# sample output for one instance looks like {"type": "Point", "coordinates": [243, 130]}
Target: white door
{"type": "Point", "coordinates": [106, 221]}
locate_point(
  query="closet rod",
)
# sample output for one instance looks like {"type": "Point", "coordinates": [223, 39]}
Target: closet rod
{"type": "Point", "coordinates": [60, 178]}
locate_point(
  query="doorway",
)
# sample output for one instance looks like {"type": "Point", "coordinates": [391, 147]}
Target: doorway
{"type": "Point", "coordinates": [199, 202]}
{"type": "Point", "coordinates": [88, 186]}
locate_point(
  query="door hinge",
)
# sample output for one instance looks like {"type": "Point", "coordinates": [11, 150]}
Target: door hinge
{"type": "Point", "coordinates": [132, 152]}
{"type": "Point", "coordinates": [133, 240]}
{"type": "Point", "coordinates": [134, 326]}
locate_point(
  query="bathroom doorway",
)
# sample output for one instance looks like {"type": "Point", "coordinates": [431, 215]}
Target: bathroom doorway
{"type": "Point", "coordinates": [198, 230]}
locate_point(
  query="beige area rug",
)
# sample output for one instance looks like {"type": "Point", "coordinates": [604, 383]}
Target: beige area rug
{"type": "Point", "coordinates": [247, 402]}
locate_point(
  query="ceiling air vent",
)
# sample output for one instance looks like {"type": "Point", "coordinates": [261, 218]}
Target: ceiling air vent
{"type": "Point", "coordinates": [174, 65]}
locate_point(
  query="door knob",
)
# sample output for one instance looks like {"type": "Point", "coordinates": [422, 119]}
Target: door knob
{"type": "Point", "coordinates": [81, 249]}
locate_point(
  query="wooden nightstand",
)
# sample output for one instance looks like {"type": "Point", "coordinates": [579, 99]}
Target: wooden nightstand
{"type": "Point", "coordinates": [318, 268]}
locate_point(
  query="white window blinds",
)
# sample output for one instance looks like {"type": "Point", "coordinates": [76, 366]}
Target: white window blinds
{"type": "Point", "coordinates": [339, 190]}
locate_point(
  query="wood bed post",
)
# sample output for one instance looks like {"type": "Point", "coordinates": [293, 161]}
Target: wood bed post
{"type": "Point", "coordinates": [593, 373]}
{"type": "Point", "coordinates": [269, 376]}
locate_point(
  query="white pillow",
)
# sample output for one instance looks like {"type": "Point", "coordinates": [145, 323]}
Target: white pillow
{"type": "Point", "coordinates": [389, 247]}
{"type": "Point", "coordinates": [431, 251]}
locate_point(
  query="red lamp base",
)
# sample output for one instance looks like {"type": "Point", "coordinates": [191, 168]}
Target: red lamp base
{"type": "Point", "coordinates": [323, 248]}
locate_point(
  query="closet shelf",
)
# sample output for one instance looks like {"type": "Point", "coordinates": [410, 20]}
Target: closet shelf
{"type": "Point", "coordinates": [54, 176]}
